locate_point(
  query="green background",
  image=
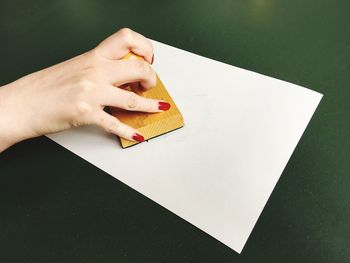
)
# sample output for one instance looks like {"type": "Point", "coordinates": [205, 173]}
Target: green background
{"type": "Point", "coordinates": [55, 207]}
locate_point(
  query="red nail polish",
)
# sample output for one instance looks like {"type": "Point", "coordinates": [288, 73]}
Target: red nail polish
{"type": "Point", "coordinates": [152, 60]}
{"type": "Point", "coordinates": [164, 105]}
{"type": "Point", "coordinates": [138, 137]}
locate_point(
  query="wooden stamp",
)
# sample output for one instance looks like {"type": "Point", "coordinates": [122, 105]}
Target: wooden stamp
{"type": "Point", "coordinates": [150, 125]}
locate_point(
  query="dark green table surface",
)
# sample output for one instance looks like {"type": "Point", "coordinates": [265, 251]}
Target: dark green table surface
{"type": "Point", "coordinates": [55, 207]}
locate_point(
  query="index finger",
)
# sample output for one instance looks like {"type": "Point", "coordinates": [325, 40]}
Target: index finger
{"type": "Point", "coordinates": [129, 100]}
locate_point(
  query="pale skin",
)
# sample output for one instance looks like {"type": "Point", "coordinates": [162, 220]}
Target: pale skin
{"type": "Point", "coordinates": [75, 92]}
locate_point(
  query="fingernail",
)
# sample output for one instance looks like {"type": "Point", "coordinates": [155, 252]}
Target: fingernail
{"type": "Point", "coordinates": [152, 60]}
{"type": "Point", "coordinates": [138, 137]}
{"type": "Point", "coordinates": [164, 105]}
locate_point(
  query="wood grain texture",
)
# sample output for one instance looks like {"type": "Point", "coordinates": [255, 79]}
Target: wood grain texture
{"type": "Point", "coordinates": [150, 125]}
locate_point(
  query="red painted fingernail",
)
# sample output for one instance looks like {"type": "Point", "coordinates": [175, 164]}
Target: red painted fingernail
{"type": "Point", "coordinates": [152, 60]}
{"type": "Point", "coordinates": [138, 137]}
{"type": "Point", "coordinates": [164, 105]}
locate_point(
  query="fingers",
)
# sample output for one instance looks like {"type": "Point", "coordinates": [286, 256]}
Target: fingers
{"type": "Point", "coordinates": [119, 72]}
{"type": "Point", "coordinates": [122, 42]}
{"type": "Point", "coordinates": [112, 125]}
{"type": "Point", "coordinates": [128, 100]}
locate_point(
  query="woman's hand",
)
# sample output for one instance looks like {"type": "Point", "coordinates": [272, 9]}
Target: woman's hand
{"type": "Point", "coordinates": [75, 92]}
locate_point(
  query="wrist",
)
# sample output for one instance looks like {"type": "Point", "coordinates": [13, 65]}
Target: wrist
{"type": "Point", "coordinates": [10, 133]}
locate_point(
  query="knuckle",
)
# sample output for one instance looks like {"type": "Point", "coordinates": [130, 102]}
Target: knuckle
{"type": "Point", "coordinates": [126, 34]}
{"type": "Point", "coordinates": [85, 86]}
{"type": "Point", "coordinates": [143, 68]}
{"type": "Point", "coordinates": [81, 109]}
{"type": "Point", "coordinates": [109, 129]}
{"type": "Point", "coordinates": [80, 97]}
{"type": "Point", "coordinates": [131, 101]}
{"type": "Point", "coordinates": [112, 127]}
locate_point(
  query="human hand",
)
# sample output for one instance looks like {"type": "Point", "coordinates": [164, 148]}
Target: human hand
{"type": "Point", "coordinates": [75, 92]}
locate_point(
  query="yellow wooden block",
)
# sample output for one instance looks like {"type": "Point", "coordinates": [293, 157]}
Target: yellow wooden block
{"type": "Point", "coordinates": [150, 124]}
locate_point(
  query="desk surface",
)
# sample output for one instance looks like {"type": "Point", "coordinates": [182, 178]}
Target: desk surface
{"type": "Point", "coordinates": [56, 207]}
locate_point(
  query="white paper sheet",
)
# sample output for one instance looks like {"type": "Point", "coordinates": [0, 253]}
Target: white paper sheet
{"type": "Point", "coordinates": [220, 169]}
